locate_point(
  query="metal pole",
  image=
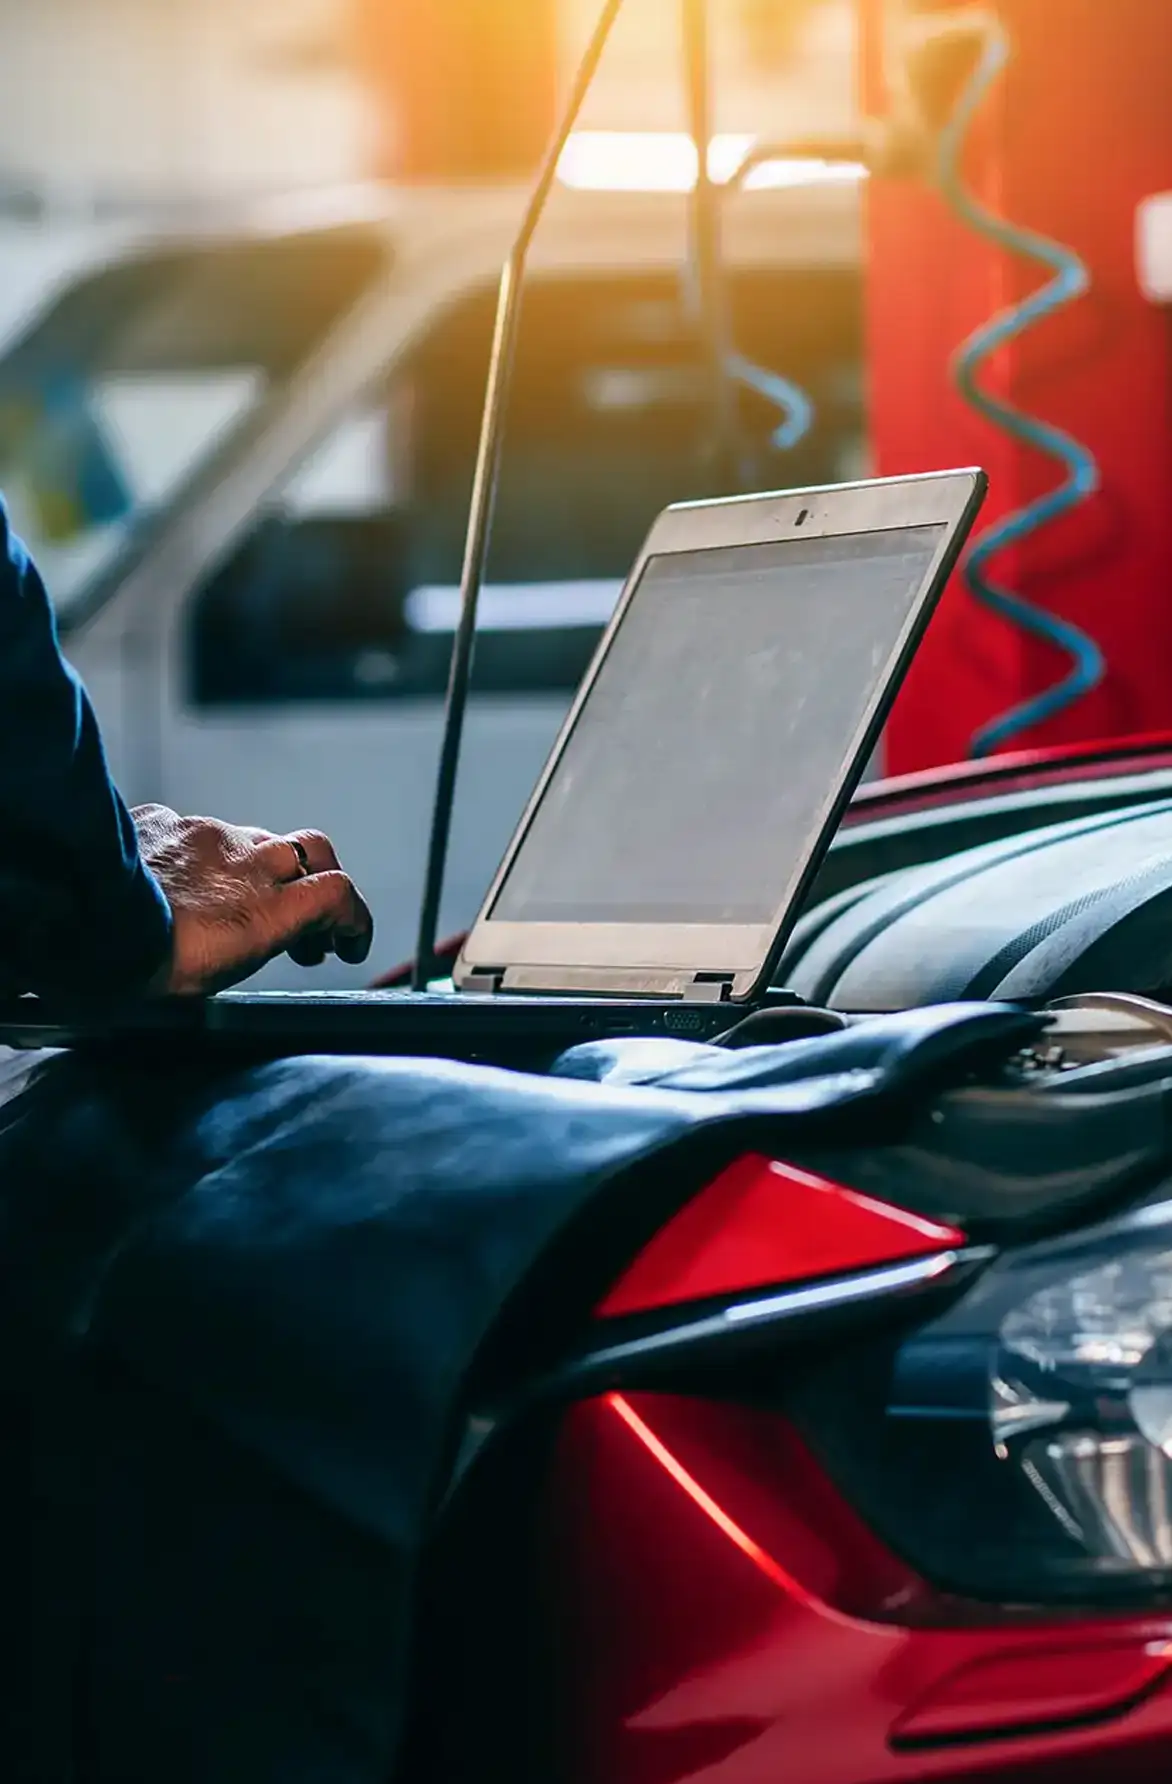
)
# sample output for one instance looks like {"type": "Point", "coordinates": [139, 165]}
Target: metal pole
{"type": "Point", "coordinates": [484, 488]}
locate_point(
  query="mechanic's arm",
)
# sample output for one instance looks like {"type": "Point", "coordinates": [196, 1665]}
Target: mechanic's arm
{"type": "Point", "coordinates": [96, 899]}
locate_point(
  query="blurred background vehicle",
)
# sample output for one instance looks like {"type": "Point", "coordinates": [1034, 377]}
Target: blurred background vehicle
{"type": "Point", "coordinates": [248, 249]}
{"type": "Point", "coordinates": [240, 395]}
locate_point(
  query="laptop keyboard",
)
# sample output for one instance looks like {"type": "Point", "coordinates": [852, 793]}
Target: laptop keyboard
{"type": "Point", "coordinates": [341, 997]}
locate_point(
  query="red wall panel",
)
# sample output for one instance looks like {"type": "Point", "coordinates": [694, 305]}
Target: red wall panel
{"type": "Point", "coordinates": [1079, 132]}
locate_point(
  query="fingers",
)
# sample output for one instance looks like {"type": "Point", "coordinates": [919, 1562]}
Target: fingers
{"type": "Point", "coordinates": [308, 952]}
{"type": "Point", "coordinates": [310, 949]}
{"type": "Point", "coordinates": [300, 852]}
{"type": "Point", "coordinates": [325, 911]}
{"type": "Point", "coordinates": [318, 850]}
{"type": "Point", "coordinates": [331, 917]}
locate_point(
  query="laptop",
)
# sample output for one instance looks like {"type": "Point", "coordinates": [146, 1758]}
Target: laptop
{"type": "Point", "coordinates": [653, 880]}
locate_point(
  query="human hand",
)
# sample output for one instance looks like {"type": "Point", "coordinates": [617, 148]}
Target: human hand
{"type": "Point", "coordinates": [239, 897]}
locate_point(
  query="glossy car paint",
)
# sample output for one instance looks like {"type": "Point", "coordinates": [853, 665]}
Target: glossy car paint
{"type": "Point", "coordinates": [764, 1223]}
{"type": "Point", "coordinates": [1017, 772]}
{"type": "Point", "coordinates": [724, 1614]}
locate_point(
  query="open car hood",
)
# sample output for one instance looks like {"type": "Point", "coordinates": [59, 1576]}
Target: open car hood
{"type": "Point", "coordinates": [1079, 906]}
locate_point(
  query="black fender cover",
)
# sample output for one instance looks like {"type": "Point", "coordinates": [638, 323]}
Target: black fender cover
{"type": "Point", "coordinates": [239, 1311]}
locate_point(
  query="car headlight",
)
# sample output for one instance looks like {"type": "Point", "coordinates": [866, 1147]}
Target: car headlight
{"type": "Point", "coordinates": [1081, 1403]}
{"type": "Point", "coordinates": [1020, 1447]}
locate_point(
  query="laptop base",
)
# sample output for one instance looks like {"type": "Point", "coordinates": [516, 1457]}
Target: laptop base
{"type": "Point", "coordinates": [515, 1031]}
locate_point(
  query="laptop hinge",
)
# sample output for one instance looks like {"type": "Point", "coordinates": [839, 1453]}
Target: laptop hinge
{"type": "Point", "coordinates": [483, 981]}
{"type": "Point", "coordinates": [589, 981]}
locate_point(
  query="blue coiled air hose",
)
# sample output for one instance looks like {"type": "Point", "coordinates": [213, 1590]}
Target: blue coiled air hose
{"type": "Point", "coordinates": [1071, 281]}
{"type": "Point", "coordinates": [793, 403]}
{"type": "Point", "coordinates": [795, 406]}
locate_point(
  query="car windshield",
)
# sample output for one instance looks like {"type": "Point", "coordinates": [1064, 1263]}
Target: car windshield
{"type": "Point", "coordinates": [121, 391]}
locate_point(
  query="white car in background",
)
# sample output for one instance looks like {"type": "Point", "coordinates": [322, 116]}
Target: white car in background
{"type": "Point", "coordinates": [242, 457]}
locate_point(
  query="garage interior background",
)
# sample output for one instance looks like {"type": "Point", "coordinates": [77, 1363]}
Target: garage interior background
{"type": "Point", "coordinates": [120, 108]}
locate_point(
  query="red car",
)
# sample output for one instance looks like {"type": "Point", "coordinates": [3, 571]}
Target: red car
{"type": "Point", "coordinates": [860, 1470]}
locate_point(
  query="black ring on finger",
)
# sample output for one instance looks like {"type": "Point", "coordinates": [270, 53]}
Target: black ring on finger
{"type": "Point", "coordinates": [299, 850]}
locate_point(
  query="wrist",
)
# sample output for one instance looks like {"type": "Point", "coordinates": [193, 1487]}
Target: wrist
{"type": "Point", "coordinates": [148, 972]}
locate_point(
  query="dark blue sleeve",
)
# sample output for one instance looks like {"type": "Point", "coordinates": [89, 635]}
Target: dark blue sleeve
{"type": "Point", "coordinates": [78, 909]}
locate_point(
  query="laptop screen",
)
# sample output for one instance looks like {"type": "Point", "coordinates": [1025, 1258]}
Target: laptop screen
{"type": "Point", "coordinates": [729, 699]}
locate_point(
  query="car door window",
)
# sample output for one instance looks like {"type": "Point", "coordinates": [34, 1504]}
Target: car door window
{"type": "Point", "coordinates": [117, 394]}
{"type": "Point", "coordinates": [346, 585]}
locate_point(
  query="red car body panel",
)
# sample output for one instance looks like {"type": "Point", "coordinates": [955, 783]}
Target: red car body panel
{"type": "Point", "coordinates": [762, 1224]}
{"type": "Point", "coordinates": [725, 1616]}
{"type": "Point", "coordinates": [1021, 771]}
{"type": "Point", "coordinates": [718, 1612]}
